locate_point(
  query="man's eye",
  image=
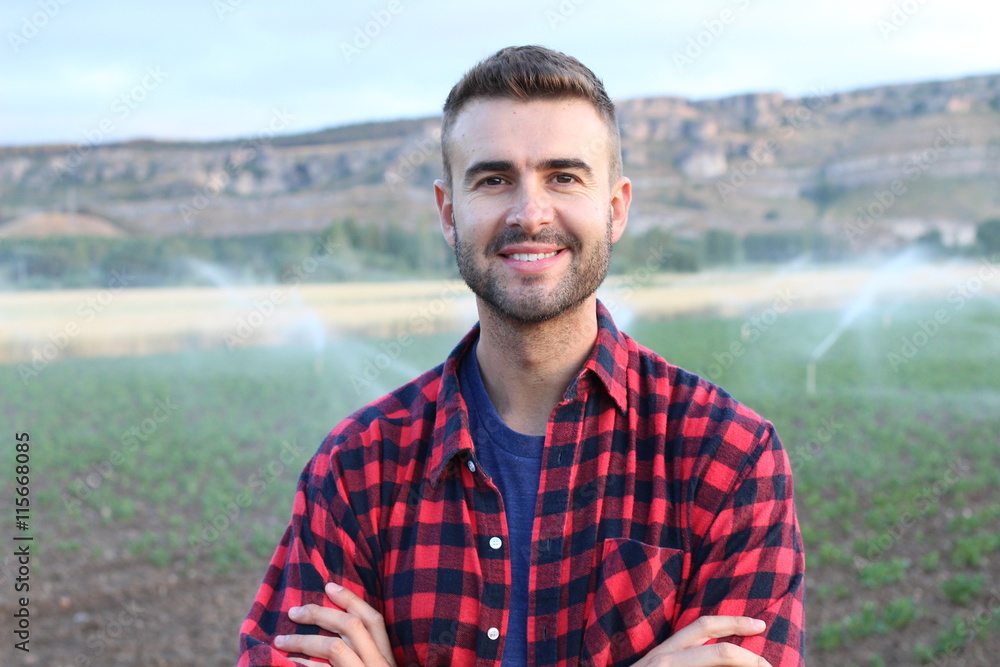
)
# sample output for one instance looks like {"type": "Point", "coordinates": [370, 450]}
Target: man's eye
{"type": "Point", "coordinates": [564, 178]}
{"type": "Point", "coordinates": [493, 180]}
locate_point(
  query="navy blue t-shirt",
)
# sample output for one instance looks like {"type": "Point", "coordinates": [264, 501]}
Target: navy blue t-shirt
{"type": "Point", "coordinates": [514, 461]}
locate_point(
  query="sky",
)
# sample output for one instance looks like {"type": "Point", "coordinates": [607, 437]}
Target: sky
{"type": "Point", "coordinates": [99, 71]}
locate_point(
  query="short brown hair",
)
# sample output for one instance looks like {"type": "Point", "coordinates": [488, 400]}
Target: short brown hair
{"type": "Point", "coordinates": [526, 73]}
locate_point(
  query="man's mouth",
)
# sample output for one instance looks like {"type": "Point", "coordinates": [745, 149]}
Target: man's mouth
{"type": "Point", "coordinates": [531, 257]}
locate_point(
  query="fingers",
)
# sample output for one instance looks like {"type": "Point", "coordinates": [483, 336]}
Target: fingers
{"type": "Point", "coordinates": [362, 641]}
{"type": "Point", "coordinates": [371, 619]}
{"type": "Point", "coordinates": [714, 655]}
{"type": "Point", "coordinates": [713, 627]}
{"type": "Point", "coordinates": [334, 649]}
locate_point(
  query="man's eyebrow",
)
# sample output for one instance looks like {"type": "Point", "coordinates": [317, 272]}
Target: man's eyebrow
{"type": "Point", "coordinates": [568, 163]}
{"type": "Point", "coordinates": [484, 166]}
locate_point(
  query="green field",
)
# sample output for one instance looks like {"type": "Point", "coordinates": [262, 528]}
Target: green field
{"type": "Point", "coordinates": [188, 461]}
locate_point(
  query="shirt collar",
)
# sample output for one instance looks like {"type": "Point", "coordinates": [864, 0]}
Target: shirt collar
{"type": "Point", "coordinates": [609, 359]}
{"type": "Point", "coordinates": [608, 362]}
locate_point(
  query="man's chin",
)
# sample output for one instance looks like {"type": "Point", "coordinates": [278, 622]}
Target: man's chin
{"type": "Point", "coordinates": [532, 309]}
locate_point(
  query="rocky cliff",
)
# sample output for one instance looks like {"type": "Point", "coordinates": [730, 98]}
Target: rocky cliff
{"type": "Point", "coordinates": [877, 165]}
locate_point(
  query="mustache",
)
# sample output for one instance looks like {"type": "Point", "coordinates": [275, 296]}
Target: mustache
{"type": "Point", "coordinates": [512, 235]}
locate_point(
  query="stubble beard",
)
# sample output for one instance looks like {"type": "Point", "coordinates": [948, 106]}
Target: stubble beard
{"type": "Point", "coordinates": [530, 306]}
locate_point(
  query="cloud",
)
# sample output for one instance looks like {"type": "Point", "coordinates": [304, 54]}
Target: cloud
{"type": "Point", "coordinates": [228, 71]}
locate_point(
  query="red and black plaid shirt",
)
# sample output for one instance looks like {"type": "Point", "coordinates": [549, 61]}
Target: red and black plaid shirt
{"type": "Point", "coordinates": [661, 500]}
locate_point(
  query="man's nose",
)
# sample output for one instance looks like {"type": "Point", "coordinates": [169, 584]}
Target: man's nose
{"type": "Point", "coordinates": [531, 209]}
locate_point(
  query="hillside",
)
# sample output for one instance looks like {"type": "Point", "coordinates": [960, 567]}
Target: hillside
{"type": "Point", "coordinates": [873, 167]}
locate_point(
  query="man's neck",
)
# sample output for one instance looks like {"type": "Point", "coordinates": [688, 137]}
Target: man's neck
{"type": "Point", "coordinates": [526, 368]}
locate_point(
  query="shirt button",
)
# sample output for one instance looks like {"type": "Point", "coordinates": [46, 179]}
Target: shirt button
{"type": "Point", "coordinates": [495, 543]}
{"type": "Point", "coordinates": [493, 634]}
{"type": "Point", "coordinates": [471, 466]}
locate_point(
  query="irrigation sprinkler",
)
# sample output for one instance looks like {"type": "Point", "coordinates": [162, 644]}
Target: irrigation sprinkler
{"type": "Point", "coordinates": [818, 353]}
{"type": "Point", "coordinates": [862, 302]}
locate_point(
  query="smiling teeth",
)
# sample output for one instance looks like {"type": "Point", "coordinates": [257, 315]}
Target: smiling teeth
{"type": "Point", "coordinates": [532, 257]}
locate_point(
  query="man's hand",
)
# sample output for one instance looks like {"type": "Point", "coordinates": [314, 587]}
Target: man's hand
{"type": "Point", "coordinates": [686, 647]}
{"type": "Point", "coordinates": [363, 640]}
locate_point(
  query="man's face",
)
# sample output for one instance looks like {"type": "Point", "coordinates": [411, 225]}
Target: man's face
{"type": "Point", "coordinates": [532, 211]}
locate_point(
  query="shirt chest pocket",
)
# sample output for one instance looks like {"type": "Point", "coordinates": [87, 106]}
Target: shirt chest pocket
{"type": "Point", "coordinates": [634, 601]}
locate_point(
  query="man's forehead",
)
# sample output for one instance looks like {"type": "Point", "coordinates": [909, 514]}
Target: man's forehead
{"type": "Point", "coordinates": [491, 109]}
{"type": "Point", "coordinates": [506, 127]}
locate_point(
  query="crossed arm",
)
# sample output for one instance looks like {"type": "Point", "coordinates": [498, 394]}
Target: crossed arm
{"type": "Point", "coordinates": [362, 640]}
{"type": "Point", "coordinates": [750, 543]}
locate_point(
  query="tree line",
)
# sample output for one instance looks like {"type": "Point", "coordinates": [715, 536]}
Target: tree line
{"type": "Point", "coordinates": [349, 250]}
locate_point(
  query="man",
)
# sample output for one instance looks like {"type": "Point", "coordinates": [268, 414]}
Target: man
{"type": "Point", "coordinates": [554, 493]}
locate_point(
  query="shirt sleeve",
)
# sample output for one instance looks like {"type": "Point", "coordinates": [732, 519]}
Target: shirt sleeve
{"type": "Point", "coordinates": [747, 554]}
{"type": "Point", "coordinates": [323, 543]}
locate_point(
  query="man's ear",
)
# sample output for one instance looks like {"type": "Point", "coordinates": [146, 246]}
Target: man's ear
{"type": "Point", "coordinates": [446, 212]}
{"type": "Point", "coordinates": [621, 199]}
